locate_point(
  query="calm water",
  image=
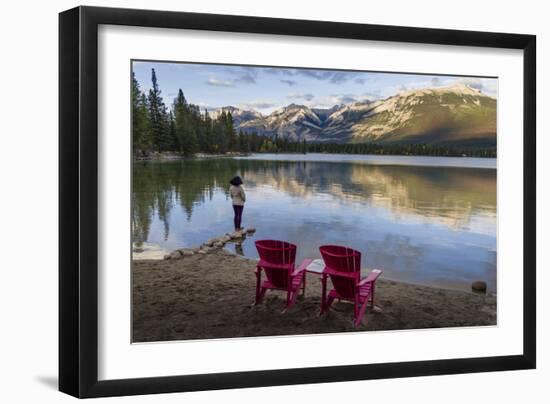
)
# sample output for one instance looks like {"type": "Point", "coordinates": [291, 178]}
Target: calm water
{"type": "Point", "coordinates": [420, 219]}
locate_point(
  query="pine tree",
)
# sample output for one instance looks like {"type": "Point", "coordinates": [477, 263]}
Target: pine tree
{"type": "Point", "coordinates": [175, 145]}
{"type": "Point", "coordinates": [208, 137]}
{"type": "Point", "coordinates": [141, 134]}
{"type": "Point", "coordinates": [230, 132]}
{"type": "Point", "coordinates": [184, 130]}
{"type": "Point", "coordinates": [220, 133]}
{"type": "Point", "coordinates": [160, 125]}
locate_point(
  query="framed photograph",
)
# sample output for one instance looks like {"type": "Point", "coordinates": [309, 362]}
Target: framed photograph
{"type": "Point", "coordinates": [251, 201]}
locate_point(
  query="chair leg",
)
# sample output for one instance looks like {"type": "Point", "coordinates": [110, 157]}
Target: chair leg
{"type": "Point", "coordinates": [258, 285]}
{"type": "Point", "coordinates": [293, 296]}
{"type": "Point", "coordinates": [262, 294]}
{"type": "Point", "coordinates": [361, 313]}
{"type": "Point", "coordinates": [323, 294]}
{"type": "Point", "coordinates": [288, 304]}
{"type": "Point", "coordinates": [327, 305]}
{"type": "Point", "coordinates": [372, 296]}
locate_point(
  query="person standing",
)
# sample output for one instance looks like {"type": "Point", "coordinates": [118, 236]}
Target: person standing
{"type": "Point", "coordinates": [238, 198]}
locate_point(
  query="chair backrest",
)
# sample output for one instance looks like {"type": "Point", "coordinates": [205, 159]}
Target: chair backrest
{"type": "Point", "coordinates": [342, 262]}
{"type": "Point", "coordinates": [282, 256]}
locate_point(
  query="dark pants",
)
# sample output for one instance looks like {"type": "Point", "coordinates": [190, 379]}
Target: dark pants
{"type": "Point", "coordinates": [238, 216]}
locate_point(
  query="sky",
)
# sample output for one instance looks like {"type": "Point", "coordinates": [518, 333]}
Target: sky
{"type": "Point", "coordinates": [266, 89]}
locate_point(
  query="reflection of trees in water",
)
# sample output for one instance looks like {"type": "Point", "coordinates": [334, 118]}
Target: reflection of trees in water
{"type": "Point", "coordinates": [141, 219]}
{"type": "Point", "coordinates": [449, 194]}
{"type": "Point", "coordinates": [159, 186]}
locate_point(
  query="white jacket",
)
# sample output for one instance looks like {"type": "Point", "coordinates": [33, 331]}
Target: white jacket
{"type": "Point", "coordinates": [237, 195]}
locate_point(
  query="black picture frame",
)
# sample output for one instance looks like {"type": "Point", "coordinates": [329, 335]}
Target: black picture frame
{"type": "Point", "coordinates": [78, 201]}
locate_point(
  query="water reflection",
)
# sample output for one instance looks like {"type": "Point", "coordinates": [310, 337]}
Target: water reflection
{"type": "Point", "coordinates": [432, 225]}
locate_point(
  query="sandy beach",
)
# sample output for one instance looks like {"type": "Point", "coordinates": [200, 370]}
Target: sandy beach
{"type": "Point", "coordinates": [211, 296]}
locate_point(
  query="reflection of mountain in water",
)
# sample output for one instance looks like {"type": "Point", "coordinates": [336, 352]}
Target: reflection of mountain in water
{"type": "Point", "coordinates": [450, 195]}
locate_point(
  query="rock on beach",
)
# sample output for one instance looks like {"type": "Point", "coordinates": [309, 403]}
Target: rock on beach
{"type": "Point", "coordinates": [213, 243]}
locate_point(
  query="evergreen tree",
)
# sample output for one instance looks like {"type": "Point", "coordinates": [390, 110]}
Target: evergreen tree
{"type": "Point", "coordinates": [140, 120]}
{"type": "Point", "coordinates": [220, 133]}
{"type": "Point", "coordinates": [175, 145]}
{"type": "Point", "coordinates": [160, 126]}
{"type": "Point", "coordinates": [230, 132]}
{"type": "Point", "coordinates": [208, 137]}
{"type": "Point", "coordinates": [184, 130]}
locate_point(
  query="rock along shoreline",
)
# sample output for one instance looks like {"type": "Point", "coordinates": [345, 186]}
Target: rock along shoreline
{"type": "Point", "coordinates": [212, 244]}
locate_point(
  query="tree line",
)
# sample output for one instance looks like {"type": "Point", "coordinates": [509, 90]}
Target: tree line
{"type": "Point", "coordinates": [182, 128]}
{"type": "Point", "coordinates": [283, 145]}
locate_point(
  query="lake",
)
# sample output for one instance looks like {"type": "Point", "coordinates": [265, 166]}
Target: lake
{"type": "Point", "coordinates": [425, 220]}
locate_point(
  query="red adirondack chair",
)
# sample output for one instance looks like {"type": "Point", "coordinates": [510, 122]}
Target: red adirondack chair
{"type": "Point", "coordinates": [277, 260]}
{"type": "Point", "coordinates": [343, 265]}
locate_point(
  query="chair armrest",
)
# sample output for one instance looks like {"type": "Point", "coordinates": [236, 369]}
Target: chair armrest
{"type": "Point", "coordinates": [371, 278]}
{"type": "Point", "coordinates": [364, 281]}
{"type": "Point", "coordinates": [269, 265]}
{"type": "Point", "coordinates": [297, 271]}
{"type": "Point", "coordinates": [302, 267]}
{"type": "Point", "coordinates": [350, 275]}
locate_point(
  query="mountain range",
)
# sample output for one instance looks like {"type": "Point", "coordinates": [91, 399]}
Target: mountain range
{"type": "Point", "coordinates": [458, 115]}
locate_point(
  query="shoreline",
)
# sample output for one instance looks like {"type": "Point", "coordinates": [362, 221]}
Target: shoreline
{"type": "Point", "coordinates": [488, 163]}
{"type": "Point", "coordinates": [169, 156]}
{"type": "Point", "coordinates": [161, 156]}
{"type": "Point", "coordinates": [203, 296]}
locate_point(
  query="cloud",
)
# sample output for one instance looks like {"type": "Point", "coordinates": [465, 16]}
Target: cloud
{"type": "Point", "coordinates": [219, 83]}
{"type": "Point", "coordinates": [345, 98]}
{"type": "Point", "coordinates": [372, 95]}
{"type": "Point", "coordinates": [239, 75]}
{"type": "Point", "coordinates": [403, 88]}
{"type": "Point", "coordinates": [487, 86]}
{"type": "Point", "coordinates": [436, 82]}
{"type": "Point", "coordinates": [291, 83]}
{"type": "Point", "coordinates": [359, 81]}
{"type": "Point", "coordinates": [341, 77]}
{"type": "Point", "coordinates": [315, 74]}
{"type": "Point", "coordinates": [335, 77]}
{"type": "Point", "coordinates": [205, 106]}
{"type": "Point", "coordinates": [298, 96]}
{"type": "Point", "coordinates": [242, 74]}
{"type": "Point", "coordinates": [338, 99]}
{"type": "Point", "coordinates": [282, 71]}
{"type": "Point", "coordinates": [259, 104]}
{"type": "Point", "coordinates": [247, 78]}
{"type": "Point", "coordinates": [406, 87]}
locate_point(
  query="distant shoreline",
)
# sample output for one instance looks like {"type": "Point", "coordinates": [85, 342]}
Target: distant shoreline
{"type": "Point", "coordinates": [375, 159]}
{"type": "Point", "coordinates": [181, 156]}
